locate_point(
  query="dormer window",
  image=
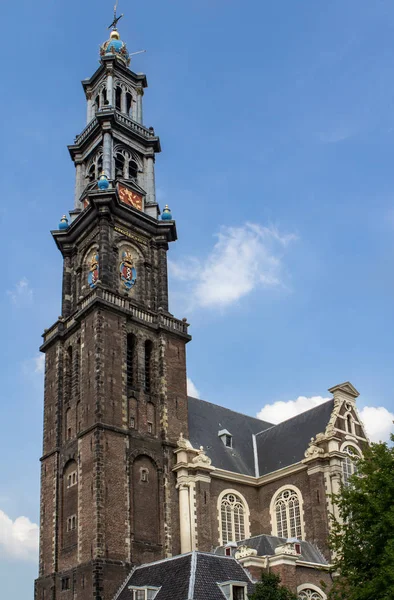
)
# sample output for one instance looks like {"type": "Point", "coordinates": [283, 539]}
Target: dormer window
{"type": "Point", "coordinates": [143, 593]}
{"type": "Point", "coordinates": [234, 590]}
{"type": "Point", "coordinates": [226, 438]}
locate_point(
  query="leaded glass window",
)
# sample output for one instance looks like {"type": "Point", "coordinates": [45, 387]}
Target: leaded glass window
{"type": "Point", "coordinates": [348, 464]}
{"type": "Point", "coordinates": [309, 594]}
{"type": "Point", "coordinates": [232, 513]}
{"type": "Point", "coordinates": [288, 515]}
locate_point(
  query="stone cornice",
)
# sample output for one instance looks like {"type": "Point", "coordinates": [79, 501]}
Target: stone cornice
{"type": "Point", "coordinates": [102, 297]}
{"type": "Point", "coordinates": [257, 481]}
{"type": "Point", "coordinates": [107, 204]}
{"type": "Point", "coordinates": [311, 565]}
{"type": "Point", "coordinates": [138, 79]}
{"type": "Point", "coordinates": [131, 433]}
{"type": "Point", "coordinates": [109, 119]}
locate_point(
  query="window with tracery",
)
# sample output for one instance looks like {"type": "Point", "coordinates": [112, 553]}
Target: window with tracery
{"type": "Point", "coordinates": [349, 467]}
{"type": "Point", "coordinates": [288, 515]}
{"type": "Point", "coordinates": [124, 99]}
{"type": "Point", "coordinates": [232, 515]}
{"type": "Point", "coordinates": [125, 165]}
{"type": "Point", "coordinates": [95, 168]}
{"type": "Point", "coordinates": [309, 594]}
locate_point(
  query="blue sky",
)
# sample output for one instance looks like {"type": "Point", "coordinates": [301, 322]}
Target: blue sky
{"type": "Point", "coordinates": [277, 128]}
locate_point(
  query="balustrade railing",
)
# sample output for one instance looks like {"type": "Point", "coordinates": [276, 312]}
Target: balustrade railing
{"type": "Point", "coordinates": [84, 134]}
{"type": "Point", "coordinates": [138, 313]}
{"type": "Point", "coordinates": [137, 127]}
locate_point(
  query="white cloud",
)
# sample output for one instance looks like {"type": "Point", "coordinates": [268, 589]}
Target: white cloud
{"type": "Point", "coordinates": [22, 292]}
{"type": "Point", "coordinates": [281, 411]}
{"type": "Point", "coordinates": [378, 420]}
{"type": "Point", "coordinates": [19, 538]}
{"type": "Point", "coordinates": [39, 362]}
{"type": "Point", "coordinates": [242, 259]}
{"type": "Point", "coordinates": [191, 389]}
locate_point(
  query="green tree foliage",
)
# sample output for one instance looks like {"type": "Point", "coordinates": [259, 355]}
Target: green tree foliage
{"type": "Point", "coordinates": [363, 542]}
{"type": "Point", "coordinates": [269, 588]}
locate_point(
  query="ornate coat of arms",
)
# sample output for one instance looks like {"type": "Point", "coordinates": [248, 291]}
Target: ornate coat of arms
{"type": "Point", "coordinates": [128, 274]}
{"type": "Point", "coordinates": [93, 274]}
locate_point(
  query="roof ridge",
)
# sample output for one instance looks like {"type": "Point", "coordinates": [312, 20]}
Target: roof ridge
{"type": "Point", "coordinates": [157, 562]}
{"type": "Point", "coordinates": [231, 410]}
{"type": "Point", "coordinates": [123, 585]}
{"type": "Point", "coordinates": [192, 580]}
{"type": "Point", "coordinates": [296, 416]}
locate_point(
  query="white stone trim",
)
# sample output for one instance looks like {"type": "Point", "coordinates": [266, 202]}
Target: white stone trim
{"type": "Point", "coordinates": [231, 583]}
{"type": "Point", "coordinates": [350, 443]}
{"type": "Point", "coordinates": [257, 482]}
{"type": "Point", "coordinates": [311, 586]}
{"type": "Point", "coordinates": [256, 456]}
{"type": "Point", "coordinates": [193, 566]}
{"type": "Point", "coordinates": [246, 508]}
{"type": "Point", "coordinates": [293, 488]}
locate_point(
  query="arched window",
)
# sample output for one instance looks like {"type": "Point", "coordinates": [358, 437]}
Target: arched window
{"type": "Point", "coordinates": [95, 168]}
{"type": "Point", "coordinates": [68, 387]}
{"type": "Point", "coordinates": [348, 463]}
{"type": "Point", "coordinates": [287, 514]}
{"type": "Point", "coordinates": [69, 505]}
{"type": "Point", "coordinates": [151, 417]}
{"type": "Point", "coordinates": [119, 165]}
{"type": "Point", "coordinates": [233, 517]}
{"type": "Point", "coordinates": [309, 594]}
{"type": "Point", "coordinates": [78, 421]}
{"type": "Point", "coordinates": [133, 170]}
{"type": "Point", "coordinates": [125, 165]}
{"type": "Point", "coordinates": [148, 366]}
{"type": "Point", "coordinates": [118, 98]}
{"type": "Point", "coordinates": [130, 361]}
{"type": "Point", "coordinates": [129, 104]}
{"type": "Point", "coordinates": [68, 428]}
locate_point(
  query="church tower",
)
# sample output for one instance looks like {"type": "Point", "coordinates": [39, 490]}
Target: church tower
{"type": "Point", "coordinates": [115, 368]}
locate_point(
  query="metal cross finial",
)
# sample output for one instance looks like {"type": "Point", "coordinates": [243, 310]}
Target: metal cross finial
{"type": "Point", "coordinates": [116, 19]}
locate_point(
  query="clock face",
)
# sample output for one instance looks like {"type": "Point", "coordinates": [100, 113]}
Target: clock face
{"type": "Point", "coordinates": [129, 197]}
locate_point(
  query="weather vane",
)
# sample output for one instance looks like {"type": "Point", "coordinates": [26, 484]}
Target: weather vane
{"type": "Point", "coordinates": [116, 19]}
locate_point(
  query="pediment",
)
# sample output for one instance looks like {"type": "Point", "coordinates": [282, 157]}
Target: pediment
{"type": "Point", "coordinates": [345, 388]}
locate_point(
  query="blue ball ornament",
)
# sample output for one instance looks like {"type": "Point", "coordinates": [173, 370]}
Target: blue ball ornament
{"type": "Point", "coordinates": [103, 183]}
{"type": "Point", "coordinates": [166, 216]}
{"type": "Point", "coordinates": [63, 222]}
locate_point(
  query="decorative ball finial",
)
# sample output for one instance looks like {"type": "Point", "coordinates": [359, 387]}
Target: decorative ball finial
{"type": "Point", "coordinates": [63, 222]}
{"type": "Point", "coordinates": [103, 183]}
{"type": "Point", "coordinates": [166, 216]}
{"type": "Point", "coordinates": [114, 46]}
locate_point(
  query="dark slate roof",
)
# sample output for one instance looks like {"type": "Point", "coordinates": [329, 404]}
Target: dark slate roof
{"type": "Point", "coordinates": [205, 422]}
{"type": "Point", "coordinates": [192, 576]}
{"type": "Point", "coordinates": [266, 545]}
{"type": "Point", "coordinates": [278, 446]}
{"type": "Point", "coordinates": [285, 443]}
